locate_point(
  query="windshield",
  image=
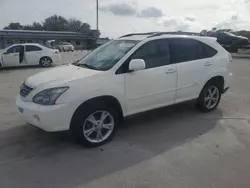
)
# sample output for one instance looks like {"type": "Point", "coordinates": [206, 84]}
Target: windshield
{"type": "Point", "coordinates": [105, 57]}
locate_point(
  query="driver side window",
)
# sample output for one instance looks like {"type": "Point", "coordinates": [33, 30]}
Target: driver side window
{"type": "Point", "coordinates": [14, 49]}
{"type": "Point", "coordinates": [154, 53]}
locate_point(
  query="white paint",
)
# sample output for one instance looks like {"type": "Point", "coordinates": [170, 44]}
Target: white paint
{"type": "Point", "coordinates": [136, 91]}
{"type": "Point", "coordinates": [30, 58]}
{"type": "Point", "coordinates": [66, 46]}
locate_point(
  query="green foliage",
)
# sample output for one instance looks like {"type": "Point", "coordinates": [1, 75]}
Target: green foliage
{"type": "Point", "coordinates": [56, 23]}
{"type": "Point", "coordinates": [14, 25]}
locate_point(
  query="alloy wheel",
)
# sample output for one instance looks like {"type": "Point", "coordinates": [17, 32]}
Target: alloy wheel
{"type": "Point", "coordinates": [212, 97]}
{"type": "Point", "coordinates": [98, 126]}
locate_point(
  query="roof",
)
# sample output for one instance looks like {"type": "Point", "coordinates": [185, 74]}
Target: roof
{"type": "Point", "coordinates": [35, 31]}
{"type": "Point", "coordinates": [28, 33]}
{"type": "Point", "coordinates": [143, 36]}
{"type": "Point", "coordinates": [134, 37]}
{"type": "Point", "coordinates": [27, 44]}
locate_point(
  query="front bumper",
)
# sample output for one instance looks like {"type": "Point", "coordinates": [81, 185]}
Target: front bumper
{"type": "Point", "coordinates": [49, 118]}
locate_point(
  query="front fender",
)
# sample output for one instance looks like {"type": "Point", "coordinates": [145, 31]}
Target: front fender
{"type": "Point", "coordinates": [85, 89]}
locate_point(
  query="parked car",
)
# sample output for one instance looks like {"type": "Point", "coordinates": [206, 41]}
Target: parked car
{"type": "Point", "coordinates": [230, 41]}
{"type": "Point", "coordinates": [28, 54]}
{"type": "Point", "coordinates": [132, 74]}
{"type": "Point", "coordinates": [66, 47]}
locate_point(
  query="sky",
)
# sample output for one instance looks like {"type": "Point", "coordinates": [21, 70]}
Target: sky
{"type": "Point", "coordinates": [118, 17]}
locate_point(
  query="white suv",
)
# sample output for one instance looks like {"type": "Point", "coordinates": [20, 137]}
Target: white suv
{"type": "Point", "coordinates": [132, 74]}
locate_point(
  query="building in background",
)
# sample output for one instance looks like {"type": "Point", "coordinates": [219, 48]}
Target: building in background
{"type": "Point", "coordinates": [102, 41]}
{"type": "Point", "coordinates": [79, 40]}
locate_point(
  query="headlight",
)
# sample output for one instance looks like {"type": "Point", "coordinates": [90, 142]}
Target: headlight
{"type": "Point", "coordinates": [49, 96]}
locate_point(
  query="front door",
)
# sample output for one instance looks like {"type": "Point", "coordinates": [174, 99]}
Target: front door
{"type": "Point", "coordinates": [156, 85]}
{"type": "Point", "coordinates": [11, 56]}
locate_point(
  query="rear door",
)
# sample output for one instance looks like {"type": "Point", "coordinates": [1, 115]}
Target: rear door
{"type": "Point", "coordinates": [11, 57]}
{"type": "Point", "coordinates": [154, 86]}
{"type": "Point", "coordinates": [33, 54]}
{"type": "Point", "coordinates": [194, 62]}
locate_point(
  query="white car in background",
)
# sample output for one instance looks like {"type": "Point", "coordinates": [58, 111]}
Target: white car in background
{"type": "Point", "coordinates": [66, 47]}
{"type": "Point", "coordinates": [28, 54]}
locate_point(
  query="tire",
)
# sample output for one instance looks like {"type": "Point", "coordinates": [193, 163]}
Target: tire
{"type": "Point", "coordinates": [45, 62]}
{"type": "Point", "coordinates": [205, 97]}
{"type": "Point", "coordinates": [83, 122]}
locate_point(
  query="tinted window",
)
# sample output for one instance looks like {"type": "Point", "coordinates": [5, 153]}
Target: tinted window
{"type": "Point", "coordinates": [189, 50]}
{"type": "Point", "coordinates": [30, 48]}
{"type": "Point", "coordinates": [14, 49]}
{"type": "Point", "coordinates": [154, 53]}
{"type": "Point", "coordinates": [205, 51]}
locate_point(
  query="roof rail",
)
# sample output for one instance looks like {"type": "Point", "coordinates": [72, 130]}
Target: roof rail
{"type": "Point", "coordinates": [155, 34]}
{"type": "Point", "coordinates": [132, 34]}
{"type": "Point", "coordinates": [174, 33]}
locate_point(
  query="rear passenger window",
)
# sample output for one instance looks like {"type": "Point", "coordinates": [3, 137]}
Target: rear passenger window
{"type": "Point", "coordinates": [155, 53]}
{"type": "Point", "coordinates": [31, 48]}
{"type": "Point", "coordinates": [189, 50]}
{"type": "Point", "coordinates": [183, 50]}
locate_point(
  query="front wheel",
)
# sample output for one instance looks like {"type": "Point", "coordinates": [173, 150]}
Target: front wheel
{"type": "Point", "coordinates": [94, 127]}
{"type": "Point", "coordinates": [209, 98]}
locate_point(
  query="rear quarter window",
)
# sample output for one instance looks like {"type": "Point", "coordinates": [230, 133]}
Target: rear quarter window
{"type": "Point", "coordinates": [205, 51]}
{"type": "Point", "coordinates": [183, 50]}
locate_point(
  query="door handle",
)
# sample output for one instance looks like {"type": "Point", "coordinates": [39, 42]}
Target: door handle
{"type": "Point", "coordinates": [15, 54]}
{"type": "Point", "coordinates": [170, 71]}
{"type": "Point", "coordinates": [207, 64]}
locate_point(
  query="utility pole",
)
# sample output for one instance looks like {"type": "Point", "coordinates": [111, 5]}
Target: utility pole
{"type": "Point", "coordinates": [97, 15]}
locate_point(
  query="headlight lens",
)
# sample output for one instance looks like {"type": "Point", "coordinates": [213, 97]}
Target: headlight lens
{"type": "Point", "coordinates": [49, 96]}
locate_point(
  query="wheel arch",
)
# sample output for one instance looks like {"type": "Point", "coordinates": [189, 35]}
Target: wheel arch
{"type": "Point", "coordinates": [218, 80]}
{"type": "Point", "coordinates": [100, 100]}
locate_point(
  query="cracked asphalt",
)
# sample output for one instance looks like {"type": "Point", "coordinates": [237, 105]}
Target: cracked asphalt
{"type": "Point", "coordinates": [173, 147]}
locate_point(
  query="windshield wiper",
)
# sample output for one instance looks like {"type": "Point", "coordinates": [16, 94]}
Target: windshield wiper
{"type": "Point", "coordinates": [86, 66]}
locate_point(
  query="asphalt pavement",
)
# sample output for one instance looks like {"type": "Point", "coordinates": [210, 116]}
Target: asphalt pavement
{"type": "Point", "coordinates": [172, 147]}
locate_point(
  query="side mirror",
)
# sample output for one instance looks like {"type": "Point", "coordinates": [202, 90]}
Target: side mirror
{"type": "Point", "coordinates": [137, 64]}
{"type": "Point", "coordinates": [5, 53]}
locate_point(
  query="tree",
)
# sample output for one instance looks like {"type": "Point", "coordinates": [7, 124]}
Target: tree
{"type": "Point", "coordinates": [74, 25]}
{"type": "Point", "coordinates": [14, 26]}
{"type": "Point", "coordinates": [55, 23]}
{"type": "Point", "coordinates": [85, 27]}
{"type": "Point", "coordinates": [37, 26]}
{"type": "Point", "coordinates": [27, 27]}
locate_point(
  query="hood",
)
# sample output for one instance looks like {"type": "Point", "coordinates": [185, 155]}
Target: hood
{"type": "Point", "coordinates": [60, 75]}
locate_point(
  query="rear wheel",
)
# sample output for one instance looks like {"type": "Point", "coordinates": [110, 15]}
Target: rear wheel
{"type": "Point", "coordinates": [45, 62]}
{"type": "Point", "coordinates": [209, 98]}
{"type": "Point", "coordinates": [94, 126]}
